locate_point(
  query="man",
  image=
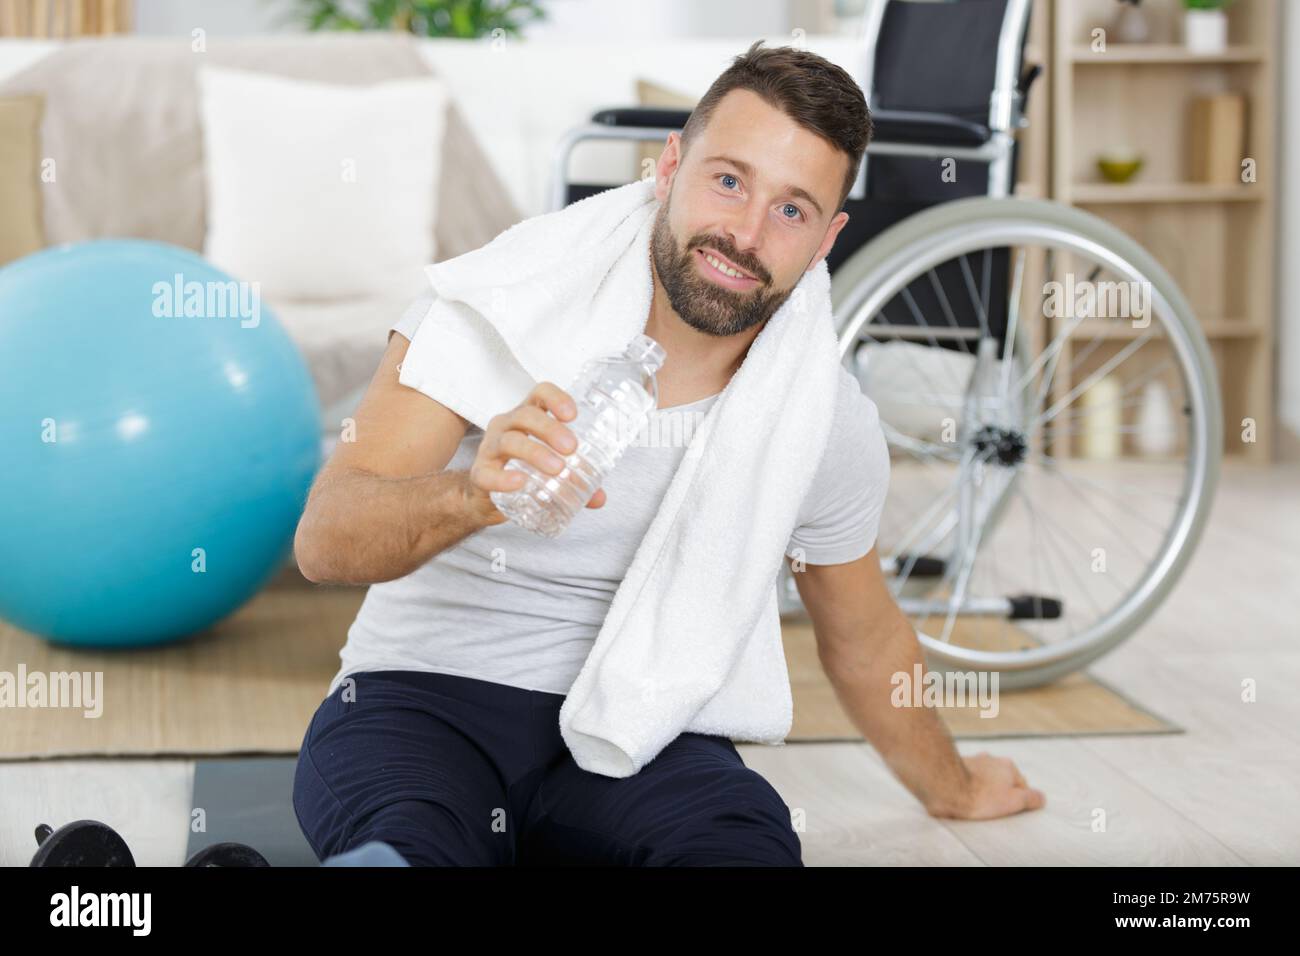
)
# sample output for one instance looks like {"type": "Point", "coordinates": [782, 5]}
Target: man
{"type": "Point", "coordinates": [439, 736]}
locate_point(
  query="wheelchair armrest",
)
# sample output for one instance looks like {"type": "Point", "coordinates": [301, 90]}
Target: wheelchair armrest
{"type": "Point", "coordinates": [929, 129]}
{"type": "Point", "coordinates": [642, 116]}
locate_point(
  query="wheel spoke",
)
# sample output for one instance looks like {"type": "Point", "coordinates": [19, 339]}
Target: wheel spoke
{"type": "Point", "coordinates": [938, 398]}
{"type": "Point", "coordinates": [946, 308]}
{"type": "Point", "coordinates": [934, 342]}
{"type": "Point", "coordinates": [1056, 464]}
{"type": "Point", "coordinates": [1073, 485]}
{"type": "Point", "coordinates": [1097, 374]}
{"type": "Point", "coordinates": [1131, 387]}
{"type": "Point", "coordinates": [974, 298]}
{"type": "Point", "coordinates": [1013, 325]}
{"type": "Point", "coordinates": [1065, 559]}
{"type": "Point", "coordinates": [927, 520]}
{"type": "Point", "coordinates": [962, 577]}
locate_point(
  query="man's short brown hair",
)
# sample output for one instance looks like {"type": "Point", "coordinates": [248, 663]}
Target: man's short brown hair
{"type": "Point", "coordinates": [815, 93]}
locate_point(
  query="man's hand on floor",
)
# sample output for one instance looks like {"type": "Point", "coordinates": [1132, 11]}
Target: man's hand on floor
{"type": "Point", "coordinates": [997, 788]}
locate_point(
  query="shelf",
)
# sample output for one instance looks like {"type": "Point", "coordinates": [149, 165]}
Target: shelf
{"type": "Point", "coordinates": [1116, 193]}
{"type": "Point", "coordinates": [1090, 329]}
{"type": "Point", "coordinates": [1162, 53]}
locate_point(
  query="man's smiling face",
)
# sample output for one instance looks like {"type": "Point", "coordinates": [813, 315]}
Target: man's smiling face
{"type": "Point", "coordinates": [748, 210]}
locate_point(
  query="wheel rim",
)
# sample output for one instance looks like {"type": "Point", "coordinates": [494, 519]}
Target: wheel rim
{"type": "Point", "coordinates": [1053, 423]}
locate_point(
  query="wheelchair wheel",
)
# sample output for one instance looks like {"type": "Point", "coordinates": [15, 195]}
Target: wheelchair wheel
{"type": "Point", "coordinates": [1054, 424]}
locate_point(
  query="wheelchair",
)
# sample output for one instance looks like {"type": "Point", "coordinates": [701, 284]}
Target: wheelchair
{"type": "Point", "coordinates": [1048, 397]}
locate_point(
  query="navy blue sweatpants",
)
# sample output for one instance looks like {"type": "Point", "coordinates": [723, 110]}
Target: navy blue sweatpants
{"type": "Point", "coordinates": [456, 771]}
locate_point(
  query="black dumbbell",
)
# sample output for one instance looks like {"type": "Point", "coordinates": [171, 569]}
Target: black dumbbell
{"type": "Point", "coordinates": [81, 843]}
{"type": "Point", "coordinates": [91, 843]}
{"type": "Point", "coordinates": [227, 854]}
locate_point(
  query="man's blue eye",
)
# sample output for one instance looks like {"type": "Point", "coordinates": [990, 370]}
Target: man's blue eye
{"type": "Point", "coordinates": [727, 179]}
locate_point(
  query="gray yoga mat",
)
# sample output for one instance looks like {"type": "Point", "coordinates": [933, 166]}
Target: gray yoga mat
{"type": "Point", "coordinates": [250, 800]}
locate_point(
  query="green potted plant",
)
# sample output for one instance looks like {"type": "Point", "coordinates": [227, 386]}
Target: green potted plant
{"type": "Point", "coordinates": [1205, 26]}
{"type": "Point", "coordinates": [465, 19]}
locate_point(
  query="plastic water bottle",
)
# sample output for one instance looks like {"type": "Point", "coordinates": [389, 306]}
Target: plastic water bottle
{"type": "Point", "coordinates": [614, 398]}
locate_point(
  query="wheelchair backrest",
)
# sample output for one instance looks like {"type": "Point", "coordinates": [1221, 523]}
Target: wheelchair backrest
{"type": "Point", "coordinates": [938, 57]}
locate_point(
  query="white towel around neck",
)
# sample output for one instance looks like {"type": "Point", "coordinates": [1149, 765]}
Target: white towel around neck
{"type": "Point", "coordinates": [692, 639]}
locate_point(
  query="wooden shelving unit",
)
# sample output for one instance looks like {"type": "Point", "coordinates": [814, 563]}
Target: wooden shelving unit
{"type": "Point", "coordinates": [1216, 241]}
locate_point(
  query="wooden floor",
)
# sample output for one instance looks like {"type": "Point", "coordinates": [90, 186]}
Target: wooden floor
{"type": "Point", "coordinates": [1222, 793]}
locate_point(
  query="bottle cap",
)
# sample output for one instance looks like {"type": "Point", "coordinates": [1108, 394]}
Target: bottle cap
{"type": "Point", "coordinates": [647, 350]}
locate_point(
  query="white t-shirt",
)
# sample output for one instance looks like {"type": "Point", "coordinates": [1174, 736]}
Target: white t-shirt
{"type": "Point", "coordinates": [509, 606]}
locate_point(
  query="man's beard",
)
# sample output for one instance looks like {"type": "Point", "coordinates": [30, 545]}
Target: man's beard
{"type": "Point", "coordinates": [702, 304]}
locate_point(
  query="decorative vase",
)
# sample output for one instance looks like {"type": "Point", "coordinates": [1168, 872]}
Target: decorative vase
{"type": "Point", "coordinates": [1154, 434]}
{"type": "Point", "coordinates": [1205, 31]}
{"type": "Point", "coordinates": [1130, 25]}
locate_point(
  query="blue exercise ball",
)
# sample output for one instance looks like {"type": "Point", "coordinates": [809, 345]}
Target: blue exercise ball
{"type": "Point", "coordinates": [159, 432]}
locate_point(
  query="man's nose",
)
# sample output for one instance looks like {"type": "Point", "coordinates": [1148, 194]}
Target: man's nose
{"type": "Point", "coordinates": [745, 230]}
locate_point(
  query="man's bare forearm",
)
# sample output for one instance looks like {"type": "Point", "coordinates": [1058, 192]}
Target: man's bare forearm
{"type": "Point", "coordinates": [912, 740]}
{"type": "Point", "coordinates": [362, 528]}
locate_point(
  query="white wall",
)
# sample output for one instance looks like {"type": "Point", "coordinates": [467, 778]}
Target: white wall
{"type": "Point", "coordinates": [216, 17]}
{"type": "Point", "coordinates": [521, 98]}
{"type": "Point", "coordinates": [624, 20]}
{"type": "Point", "coordinates": [1288, 250]}
{"type": "Point", "coordinates": [571, 19]}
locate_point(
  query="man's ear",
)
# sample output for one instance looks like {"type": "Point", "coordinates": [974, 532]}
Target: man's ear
{"type": "Point", "coordinates": [669, 162]}
{"type": "Point", "coordinates": [839, 222]}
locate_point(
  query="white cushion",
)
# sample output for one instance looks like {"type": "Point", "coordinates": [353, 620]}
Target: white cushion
{"type": "Point", "coordinates": [916, 386]}
{"type": "Point", "coordinates": [319, 191]}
